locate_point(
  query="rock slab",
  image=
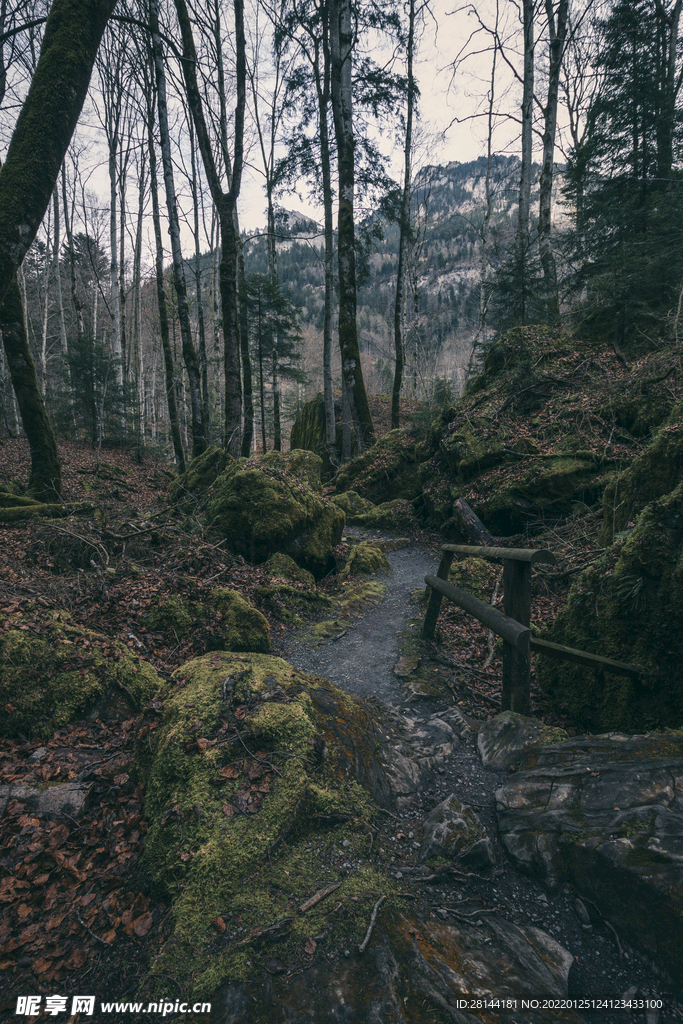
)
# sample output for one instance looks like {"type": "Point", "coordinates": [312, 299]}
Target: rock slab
{"type": "Point", "coordinates": [606, 813]}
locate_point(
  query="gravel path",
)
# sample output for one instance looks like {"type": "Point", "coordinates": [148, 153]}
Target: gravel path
{"type": "Point", "coordinates": [361, 662]}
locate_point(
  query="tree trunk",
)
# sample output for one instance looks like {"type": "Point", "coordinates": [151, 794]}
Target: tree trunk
{"type": "Point", "coordinates": [203, 360]}
{"type": "Point", "coordinates": [556, 39]}
{"type": "Point", "coordinates": [248, 431]}
{"type": "Point", "coordinates": [199, 442]}
{"type": "Point", "coordinates": [60, 303]}
{"type": "Point", "coordinates": [48, 116]}
{"type": "Point", "coordinates": [45, 481]}
{"type": "Point", "coordinates": [161, 299]}
{"type": "Point", "coordinates": [341, 42]}
{"type": "Point", "coordinates": [527, 126]}
{"type": "Point", "coordinates": [226, 205]}
{"type": "Point", "coordinates": [404, 229]}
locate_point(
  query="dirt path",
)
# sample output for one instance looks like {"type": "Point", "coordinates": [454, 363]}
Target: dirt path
{"type": "Point", "coordinates": [362, 660]}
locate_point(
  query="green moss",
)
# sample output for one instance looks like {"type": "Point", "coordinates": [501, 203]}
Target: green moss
{"type": "Point", "coordinates": [274, 502]}
{"type": "Point", "coordinates": [352, 505]}
{"type": "Point", "coordinates": [245, 628]}
{"type": "Point", "coordinates": [171, 613]}
{"type": "Point", "coordinates": [309, 433]}
{"type": "Point", "coordinates": [253, 869]}
{"type": "Point", "coordinates": [627, 606]}
{"type": "Point", "coordinates": [654, 473]}
{"type": "Point", "coordinates": [364, 559]}
{"type": "Point", "coordinates": [57, 672]}
{"type": "Point", "coordinates": [390, 515]}
{"type": "Point", "coordinates": [385, 471]}
{"type": "Point", "coordinates": [200, 474]}
{"type": "Point", "coordinates": [285, 568]}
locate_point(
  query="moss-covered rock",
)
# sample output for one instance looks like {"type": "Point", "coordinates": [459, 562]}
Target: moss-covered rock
{"type": "Point", "coordinates": [352, 505]}
{"type": "Point", "coordinates": [200, 473]}
{"type": "Point", "coordinates": [274, 502]}
{"type": "Point", "coordinates": [385, 471]}
{"type": "Point", "coordinates": [171, 614]}
{"type": "Point", "coordinates": [390, 515]}
{"type": "Point", "coordinates": [245, 628]}
{"type": "Point", "coordinates": [655, 472]}
{"type": "Point", "coordinates": [282, 567]}
{"type": "Point", "coordinates": [477, 576]}
{"type": "Point", "coordinates": [55, 672]}
{"type": "Point", "coordinates": [309, 433]}
{"type": "Point", "coordinates": [364, 558]}
{"type": "Point", "coordinates": [627, 606]}
{"type": "Point", "coordinates": [234, 831]}
{"type": "Point", "coordinates": [551, 483]}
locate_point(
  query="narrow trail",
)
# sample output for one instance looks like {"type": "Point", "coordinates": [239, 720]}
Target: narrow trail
{"type": "Point", "coordinates": [362, 660]}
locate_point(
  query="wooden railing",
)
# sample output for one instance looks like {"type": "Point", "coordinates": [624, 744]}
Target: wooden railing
{"type": "Point", "coordinates": [513, 624]}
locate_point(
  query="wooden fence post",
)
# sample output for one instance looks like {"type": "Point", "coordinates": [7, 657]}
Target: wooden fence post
{"type": "Point", "coordinates": [516, 694]}
{"type": "Point", "coordinates": [434, 605]}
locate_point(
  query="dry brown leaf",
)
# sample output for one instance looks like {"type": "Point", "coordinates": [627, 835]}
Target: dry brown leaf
{"type": "Point", "coordinates": [310, 947]}
{"type": "Point", "coordinates": [219, 925]}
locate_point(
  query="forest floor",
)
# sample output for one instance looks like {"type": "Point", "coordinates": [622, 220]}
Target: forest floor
{"type": "Point", "coordinates": [76, 915]}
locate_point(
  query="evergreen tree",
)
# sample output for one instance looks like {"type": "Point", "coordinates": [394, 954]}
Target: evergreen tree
{"type": "Point", "coordinates": [273, 326]}
{"type": "Point", "coordinates": [625, 248]}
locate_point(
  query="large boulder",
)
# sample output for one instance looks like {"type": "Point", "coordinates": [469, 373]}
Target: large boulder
{"type": "Point", "coordinates": [606, 814]}
{"type": "Point", "coordinates": [627, 606]}
{"type": "Point", "coordinates": [53, 672]}
{"type": "Point", "coordinates": [200, 474]}
{"type": "Point", "coordinates": [262, 784]}
{"type": "Point", "coordinates": [387, 470]}
{"type": "Point", "coordinates": [274, 502]}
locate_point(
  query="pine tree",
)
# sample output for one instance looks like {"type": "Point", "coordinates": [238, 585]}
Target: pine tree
{"type": "Point", "coordinates": [625, 248]}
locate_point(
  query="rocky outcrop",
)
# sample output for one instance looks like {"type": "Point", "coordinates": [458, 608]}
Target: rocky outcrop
{"type": "Point", "coordinates": [414, 966]}
{"type": "Point", "coordinates": [454, 831]}
{"type": "Point", "coordinates": [606, 814]}
{"type": "Point", "coordinates": [628, 606]}
{"type": "Point", "coordinates": [653, 474]}
{"type": "Point", "coordinates": [262, 784]}
{"type": "Point", "coordinates": [274, 502]}
{"type": "Point", "coordinates": [385, 471]}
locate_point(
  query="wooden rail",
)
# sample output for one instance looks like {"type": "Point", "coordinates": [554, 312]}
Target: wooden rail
{"type": "Point", "coordinates": [514, 624]}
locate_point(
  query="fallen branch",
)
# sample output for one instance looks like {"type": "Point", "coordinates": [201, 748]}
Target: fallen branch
{"type": "Point", "coordinates": [373, 918]}
{"type": "Point", "coordinates": [269, 931]}
{"type": "Point", "coordinates": [320, 895]}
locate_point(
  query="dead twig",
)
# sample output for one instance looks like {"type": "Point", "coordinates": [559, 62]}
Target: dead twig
{"type": "Point", "coordinates": [373, 918]}
{"type": "Point", "coordinates": [89, 931]}
{"type": "Point", "coordinates": [320, 895]}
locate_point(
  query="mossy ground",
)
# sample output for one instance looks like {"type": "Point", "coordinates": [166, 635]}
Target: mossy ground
{"type": "Point", "coordinates": [52, 672]}
{"type": "Point", "coordinates": [251, 869]}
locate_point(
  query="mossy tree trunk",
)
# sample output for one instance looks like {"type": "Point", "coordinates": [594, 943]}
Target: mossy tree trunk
{"type": "Point", "coordinates": [45, 125]}
{"type": "Point", "coordinates": [45, 481]}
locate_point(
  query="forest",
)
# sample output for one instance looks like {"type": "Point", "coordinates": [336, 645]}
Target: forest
{"type": "Point", "coordinates": [341, 512]}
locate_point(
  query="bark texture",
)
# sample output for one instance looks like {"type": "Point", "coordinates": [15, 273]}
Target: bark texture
{"type": "Point", "coordinates": [341, 42]}
{"type": "Point", "coordinates": [46, 123]}
{"type": "Point", "coordinates": [45, 481]}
